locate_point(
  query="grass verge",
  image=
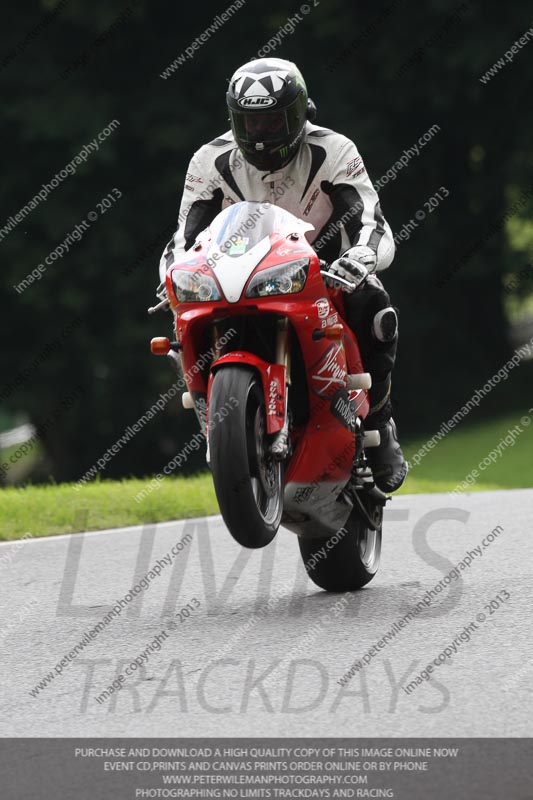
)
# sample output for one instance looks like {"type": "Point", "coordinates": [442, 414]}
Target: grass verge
{"type": "Point", "coordinates": [51, 509]}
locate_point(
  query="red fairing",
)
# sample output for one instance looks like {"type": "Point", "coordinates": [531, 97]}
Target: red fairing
{"type": "Point", "coordinates": [322, 448]}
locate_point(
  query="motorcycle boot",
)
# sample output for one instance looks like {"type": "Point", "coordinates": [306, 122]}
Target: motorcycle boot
{"type": "Point", "coordinates": [386, 461]}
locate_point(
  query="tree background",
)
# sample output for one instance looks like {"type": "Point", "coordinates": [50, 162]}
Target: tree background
{"type": "Point", "coordinates": [381, 73]}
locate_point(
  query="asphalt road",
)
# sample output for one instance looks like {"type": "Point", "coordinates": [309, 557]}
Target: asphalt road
{"type": "Point", "coordinates": [235, 664]}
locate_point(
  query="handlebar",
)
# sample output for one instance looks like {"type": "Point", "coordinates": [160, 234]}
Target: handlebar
{"type": "Point", "coordinates": [351, 287]}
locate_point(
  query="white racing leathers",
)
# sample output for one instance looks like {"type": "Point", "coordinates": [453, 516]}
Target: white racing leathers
{"type": "Point", "coordinates": [326, 184]}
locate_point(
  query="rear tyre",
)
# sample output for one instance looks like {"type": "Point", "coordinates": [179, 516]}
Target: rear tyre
{"type": "Point", "coordinates": [348, 559]}
{"type": "Point", "coordinates": [248, 481]}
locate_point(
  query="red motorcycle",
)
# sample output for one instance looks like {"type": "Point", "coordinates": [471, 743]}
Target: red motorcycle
{"type": "Point", "coordinates": [282, 395]}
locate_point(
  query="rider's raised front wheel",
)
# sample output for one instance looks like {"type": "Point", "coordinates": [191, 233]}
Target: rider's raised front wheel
{"type": "Point", "coordinates": [348, 559]}
{"type": "Point", "coordinates": [248, 481]}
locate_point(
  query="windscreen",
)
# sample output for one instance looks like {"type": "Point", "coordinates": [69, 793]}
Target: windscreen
{"type": "Point", "coordinates": [241, 226]}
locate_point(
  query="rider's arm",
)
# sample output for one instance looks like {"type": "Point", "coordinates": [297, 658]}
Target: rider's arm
{"type": "Point", "coordinates": [200, 203]}
{"type": "Point", "coordinates": [357, 208]}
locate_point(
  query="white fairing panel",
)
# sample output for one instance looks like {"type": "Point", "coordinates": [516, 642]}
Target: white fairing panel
{"type": "Point", "coordinates": [239, 238]}
{"type": "Point", "coordinates": [232, 273]}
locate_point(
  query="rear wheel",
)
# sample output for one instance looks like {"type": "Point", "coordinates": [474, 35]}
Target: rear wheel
{"type": "Point", "coordinates": [248, 481]}
{"type": "Point", "coordinates": [348, 559]}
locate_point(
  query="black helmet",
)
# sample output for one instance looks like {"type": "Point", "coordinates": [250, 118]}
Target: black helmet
{"type": "Point", "coordinates": [268, 103]}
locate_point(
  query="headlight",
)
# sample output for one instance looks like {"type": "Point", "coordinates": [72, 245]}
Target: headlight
{"type": "Point", "coordinates": [286, 278]}
{"type": "Point", "coordinates": [194, 287]}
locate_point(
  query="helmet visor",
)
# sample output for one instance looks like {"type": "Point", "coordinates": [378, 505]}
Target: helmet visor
{"type": "Point", "coordinates": [271, 127]}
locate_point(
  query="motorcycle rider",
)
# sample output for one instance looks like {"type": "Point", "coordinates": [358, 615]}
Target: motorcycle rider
{"type": "Point", "coordinates": [274, 153]}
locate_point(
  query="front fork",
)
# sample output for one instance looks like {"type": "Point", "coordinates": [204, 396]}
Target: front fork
{"type": "Point", "coordinates": [279, 447]}
{"type": "Point", "coordinates": [201, 407]}
{"type": "Point", "coordinates": [200, 404]}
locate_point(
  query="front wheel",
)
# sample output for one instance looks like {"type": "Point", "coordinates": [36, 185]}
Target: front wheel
{"type": "Point", "coordinates": [248, 481]}
{"type": "Point", "coordinates": [348, 559]}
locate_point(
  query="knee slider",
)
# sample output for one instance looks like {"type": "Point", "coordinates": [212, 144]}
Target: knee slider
{"type": "Point", "coordinates": [385, 325]}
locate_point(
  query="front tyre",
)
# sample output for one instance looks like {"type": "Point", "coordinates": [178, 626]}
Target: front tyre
{"type": "Point", "coordinates": [348, 559]}
{"type": "Point", "coordinates": [248, 480]}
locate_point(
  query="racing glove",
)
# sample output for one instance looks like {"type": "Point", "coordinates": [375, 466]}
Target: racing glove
{"type": "Point", "coordinates": [355, 264]}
